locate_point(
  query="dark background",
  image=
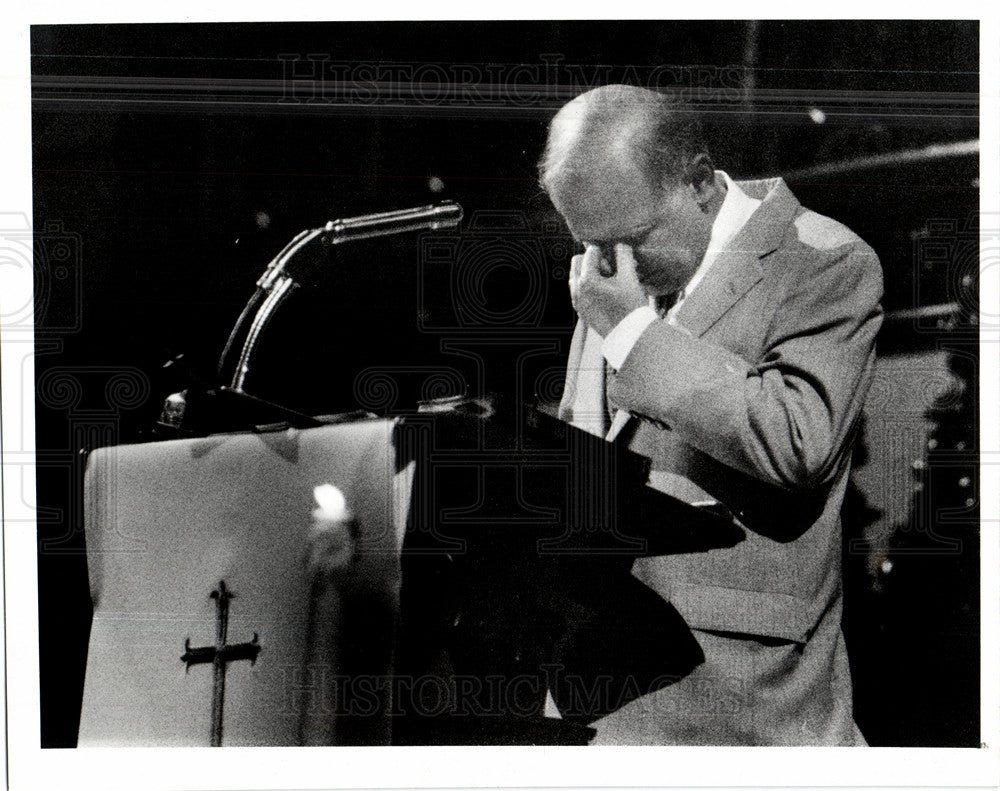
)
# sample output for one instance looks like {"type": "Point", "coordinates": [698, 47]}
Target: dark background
{"type": "Point", "coordinates": [171, 162]}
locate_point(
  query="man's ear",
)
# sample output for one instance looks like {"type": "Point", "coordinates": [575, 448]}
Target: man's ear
{"type": "Point", "coordinates": [700, 174]}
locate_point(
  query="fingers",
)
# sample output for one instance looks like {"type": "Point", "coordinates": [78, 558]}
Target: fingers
{"type": "Point", "coordinates": [597, 261]}
{"type": "Point", "coordinates": [590, 262]}
{"type": "Point", "coordinates": [605, 264]}
{"type": "Point", "coordinates": [625, 261]}
{"type": "Point", "coordinates": [582, 270]}
{"type": "Point", "coordinates": [575, 267]}
{"type": "Point", "coordinates": [592, 270]}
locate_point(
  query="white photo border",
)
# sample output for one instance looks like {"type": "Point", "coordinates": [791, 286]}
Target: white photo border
{"type": "Point", "coordinates": [29, 766]}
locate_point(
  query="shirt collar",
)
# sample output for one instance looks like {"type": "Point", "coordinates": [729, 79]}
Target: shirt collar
{"type": "Point", "coordinates": [733, 215]}
{"type": "Point", "coordinates": [736, 209]}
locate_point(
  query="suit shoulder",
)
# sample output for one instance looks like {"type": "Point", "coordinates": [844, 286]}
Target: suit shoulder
{"type": "Point", "coordinates": [823, 233]}
{"type": "Point", "coordinates": [818, 249]}
{"type": "Point", "coordinates": [831, 244]}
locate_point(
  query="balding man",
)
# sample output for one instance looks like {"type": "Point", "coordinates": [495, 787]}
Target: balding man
{"type": "Point", "coordinates": [726, 333]}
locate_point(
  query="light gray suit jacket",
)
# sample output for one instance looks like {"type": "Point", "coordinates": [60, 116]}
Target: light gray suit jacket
{"type": "Point", "coordinates": [753, 401]}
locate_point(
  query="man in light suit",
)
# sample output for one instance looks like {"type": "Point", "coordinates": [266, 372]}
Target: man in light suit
{"type": "Point", "coordinates": [726, 333]}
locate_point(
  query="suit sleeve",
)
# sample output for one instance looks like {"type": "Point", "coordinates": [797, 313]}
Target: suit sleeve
{"type": "Point", "coordinates": [787, 417]}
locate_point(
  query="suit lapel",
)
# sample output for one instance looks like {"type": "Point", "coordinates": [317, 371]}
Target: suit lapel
{"type": "Point", "coordinates": [738, 269]}
{"type": "Point", "coordinates": [731, 276]}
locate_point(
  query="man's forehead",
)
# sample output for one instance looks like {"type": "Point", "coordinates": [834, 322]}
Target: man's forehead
{"type": "Point", "coordinates": [601, 202]}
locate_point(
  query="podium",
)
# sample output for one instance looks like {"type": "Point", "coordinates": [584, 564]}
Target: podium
{"type": "Point", "coordinates": [488, 571]}
{"type": "Point", "coordinates": [168, 522]}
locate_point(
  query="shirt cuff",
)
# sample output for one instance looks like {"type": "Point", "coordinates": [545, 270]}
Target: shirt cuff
{"type": "Point", "coordinates": [622, 338]}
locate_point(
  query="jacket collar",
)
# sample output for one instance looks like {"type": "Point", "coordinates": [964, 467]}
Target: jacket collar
{"type": "Point", "coordinates": [738, 269]}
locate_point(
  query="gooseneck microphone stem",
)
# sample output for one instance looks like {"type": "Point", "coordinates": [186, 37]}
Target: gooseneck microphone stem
{"type": "Point", "coordinates": [367, 226]}
{"type": "Point", "coordinates": [280, 289]}
{"type": "Point", "coordinates": [311, 246]}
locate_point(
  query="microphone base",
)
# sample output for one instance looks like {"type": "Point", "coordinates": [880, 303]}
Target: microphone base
{"type": "Point", "coordinates": [225, 409]}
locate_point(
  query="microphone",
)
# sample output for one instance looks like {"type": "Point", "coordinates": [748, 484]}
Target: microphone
{"type": "Point", "coordinates": [446, 214]}
{"type": "Point", "coordinates": [307, 251]}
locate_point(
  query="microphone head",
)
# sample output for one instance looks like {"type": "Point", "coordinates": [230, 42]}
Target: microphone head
{"type": "Point", "coordinates": [446, 214]}
{"type": "Point", "coordinates": [449, 214]}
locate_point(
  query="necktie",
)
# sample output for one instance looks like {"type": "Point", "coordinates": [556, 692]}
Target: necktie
{"type": "Point", "coordinates": [664, 302]}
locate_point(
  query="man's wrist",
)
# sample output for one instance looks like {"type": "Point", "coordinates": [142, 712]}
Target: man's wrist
{"type": "Point", "coordinates": [619, 341]}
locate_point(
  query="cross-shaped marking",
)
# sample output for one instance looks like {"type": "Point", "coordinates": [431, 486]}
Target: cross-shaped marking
{"type": "Point", "coordinates": [219, 655]}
